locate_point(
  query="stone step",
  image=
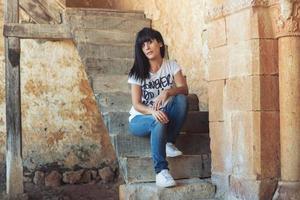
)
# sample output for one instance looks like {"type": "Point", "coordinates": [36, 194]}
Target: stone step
{"type": "Point", "coordinates": [105, 51]}
{"type": "Point", "coordinates": [116, 122]}
{"type": "Point", "coordinates": [107, 22]}
{"type": "Point", "coordinates": [109, 66]}
{"type": "Point", "coordinates": [196, 122]}
{"type": "Point", "coordinates": [140, 169]}
{"type": "Point", "coordinates": [189, 144]}
{"type": "Point", "coordinates": [99, 37]}
{"type": "Point", "coordinates": [119, 101]}
{"type": "Point", "coordinates": [186, 189]}
{"type": "Point", "coordinates": [110, 83]}
{"type": "Point", "coordinates": [104, 12]}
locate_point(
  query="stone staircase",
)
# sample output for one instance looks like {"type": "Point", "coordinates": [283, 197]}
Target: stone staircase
{"type": "Point", "coordinates": [105, 41]}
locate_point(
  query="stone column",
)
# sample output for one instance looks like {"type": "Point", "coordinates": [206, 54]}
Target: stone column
{"type": "Point", "coordinates": [289, 95]}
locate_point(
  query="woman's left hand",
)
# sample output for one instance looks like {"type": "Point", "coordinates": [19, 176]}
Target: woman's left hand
{"type": "Point", "coordinates": [160, 100]}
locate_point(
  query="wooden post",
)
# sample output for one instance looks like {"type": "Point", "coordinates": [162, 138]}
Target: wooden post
{"type": "Point", "coordinates": [14, 166]}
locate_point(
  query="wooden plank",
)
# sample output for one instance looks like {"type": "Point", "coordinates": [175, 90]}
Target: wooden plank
{"type": "Point", "coordinates": [14, 166]}
{"type": "Point", "coordinates": [53, 8]}
{"type": "Point", "coordinates": [37, 31]}
{"type": "Point", "coordinates": [38, 13]}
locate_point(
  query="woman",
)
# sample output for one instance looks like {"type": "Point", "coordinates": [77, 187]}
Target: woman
{"type": "Point", "coordinates": [159, 108]}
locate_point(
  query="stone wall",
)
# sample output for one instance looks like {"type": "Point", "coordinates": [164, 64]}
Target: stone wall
{"type": "Point", "coordinates": [244, 99]}
{"type": "Point", "coordinates": [61, 124]}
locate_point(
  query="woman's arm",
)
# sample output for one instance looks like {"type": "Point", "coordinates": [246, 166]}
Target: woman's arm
{"type": "Point", "coordinates": [136, 95]}
{"type": "Point", "coordinates": [181, 88]}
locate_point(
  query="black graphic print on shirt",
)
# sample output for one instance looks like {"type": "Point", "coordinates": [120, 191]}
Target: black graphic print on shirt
{"type": "Point", "coordinates": [152, 88]}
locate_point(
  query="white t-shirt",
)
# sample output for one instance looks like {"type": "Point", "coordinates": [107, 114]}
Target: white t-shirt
{"type": "Point", "coordinates": [152, 87]}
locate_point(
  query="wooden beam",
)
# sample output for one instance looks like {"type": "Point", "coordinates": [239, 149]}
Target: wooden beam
{"type": "Point", "coordinates": [38, 12]}
{"type": "Point", "coordinates": [14, 165]}
{"type": "Point", "coordinates": [37, 31]}
{"type": "Point", "coordinates": [54, 9]}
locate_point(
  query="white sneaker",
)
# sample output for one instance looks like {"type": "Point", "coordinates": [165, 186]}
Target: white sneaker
{"type": "Point", "coordinates": [172, 151]}
{"type": "Point", "coordinates": [164, 179]}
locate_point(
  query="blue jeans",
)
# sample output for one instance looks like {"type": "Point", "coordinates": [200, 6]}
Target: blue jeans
{"type": "Point", "coordinates": [160, 134]}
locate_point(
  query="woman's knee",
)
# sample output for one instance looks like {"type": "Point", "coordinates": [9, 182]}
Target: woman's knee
{"type": "Point", "coordinates": [182, 101]}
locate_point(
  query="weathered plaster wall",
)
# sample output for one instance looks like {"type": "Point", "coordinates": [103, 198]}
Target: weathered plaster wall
{"type": "Point", "coordinates": [60, 117]}
{"type": "Point", "coordinates": [182, 26]}
{"type": "Point", "coordinates": [61, 123]}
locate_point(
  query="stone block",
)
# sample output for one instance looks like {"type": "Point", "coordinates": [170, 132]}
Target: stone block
{"type": "Point", "coordinates": [140, 169]}
{"type": "Point", "coordinates": [252, 57]}
{"type": "Point", "coordinates": [187, 189]}
{"type": "Point", "coordinates": [189, 144]}
{"type": "Point", "coordinates": [39, 178]}
{"type": "Point", "coordinates": [221, 148]}
{"type": "Point", "coordinates": [238, 26]}
{"type": "Point", "coordinates": [100, 12]}
{"type": "Point", "coordinates": [116, 122]}
{"type": "Point", "coordinates": [242, 188]}
{"type": "Point", "coordinates": [269, 140]}
{"type": "Point", "coordinates": [216, 103]}
{"type": "Point", "coordinates": [217, 63]}
{"type": "Point", "coordinates": [287, 190]}
{"type": "Point", "coordinates": [110, 83]}
{"type": "Point", "coordinates": [73, 177]}
{"type": "Point", "coordinates": [196, 122]}
{"type": "Point", "coordinates": [261, 23]}
{"type": "Point", "coordinates": [240, 58]}
{"type": "Point", "coordinates": [266, 97]}
{"type": "Point", "coordinates": [268, 57]}
{"type": "Point", "coordinates": [106, 174]}
{"type": "Point", "coordinates": [238, 93]}
{"type": "Point", "coordinates": [109, 23]}
{"type": "Point", "coordinates": [114, 102]}
{"type": "Point", "coordinates": [86, 177]}
{"type": "Point", "coordinates": [252, 93]}
{"type": "Point", "coordinates": [111, 66]}
{"type": "Point", "coordinates": [53, 179]}
{"type": "Point", "coordinates": [120, 101]}
{"type": "Point", "coordinates": [193, 102]}
{"type": "Point", "coordinates": [221, 181]}
{"type": "Point", "coordinates": [244, 146]}
{"type": "Point", "coordinates": [99, 37]}
{"type": "Point", "coordinates": [255, 150]}
{"type": "Point", "coordinates": [217, 33]}
{"type": "Point", "coordinates": [105, 51]}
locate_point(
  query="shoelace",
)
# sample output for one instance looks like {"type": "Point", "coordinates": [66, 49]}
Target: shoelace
{"type": "Point", "coordinates": [173, 147]}
{"type": "Point", "coordinates": [167, 175]}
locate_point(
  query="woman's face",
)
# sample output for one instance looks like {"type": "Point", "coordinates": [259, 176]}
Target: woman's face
{"type": "Point", "coordinates": [152, 49]}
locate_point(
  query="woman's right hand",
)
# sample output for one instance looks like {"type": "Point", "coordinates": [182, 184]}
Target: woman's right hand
{"type": "Point", "coordinates": [160, 116]}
